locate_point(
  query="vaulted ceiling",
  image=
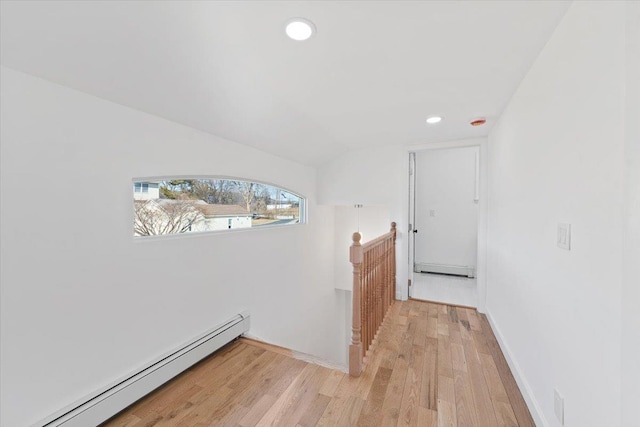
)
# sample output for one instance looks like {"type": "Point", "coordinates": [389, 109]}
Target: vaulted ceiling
{"type": "Point", "coordinates": [370, 76]}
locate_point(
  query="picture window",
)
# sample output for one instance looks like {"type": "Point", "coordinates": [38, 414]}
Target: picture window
{"type": "Point", "coordinates": [177, 206]}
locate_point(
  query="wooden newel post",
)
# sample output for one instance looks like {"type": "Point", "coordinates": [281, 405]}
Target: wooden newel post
{"type": "Point", "coordinates": [355, 349]}
{"type": "Point", "coordinates": [393, 261]}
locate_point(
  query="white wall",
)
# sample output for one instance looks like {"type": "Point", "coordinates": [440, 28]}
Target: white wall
{"type": "Point", "coordinates": [371, 221]}
{"type": "Point", "coordinates": [77, 311]}
{"type": "Point", "coordinates": [556, 156]}
{"type": "Point", "coordinates": [371, 177]}
{"type": "Point", "coordinates": [631, 266]}
{"type": "Point", "coordinates": [446, 188]}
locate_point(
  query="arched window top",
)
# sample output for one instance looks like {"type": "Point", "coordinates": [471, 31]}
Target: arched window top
{"type": "Point", "coordinates": [171, 206]}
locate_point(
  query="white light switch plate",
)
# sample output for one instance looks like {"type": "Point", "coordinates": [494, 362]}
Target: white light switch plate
{"type": "Point", "coordinates": [564, 236]}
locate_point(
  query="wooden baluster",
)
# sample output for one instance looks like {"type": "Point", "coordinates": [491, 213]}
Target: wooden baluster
{"type": "Point", "coordinates": [385, 293]}
{"type": "Point", "coordinates": [372, 295]}
{"type": "Point", "coordinates": [388, 276]}
{"type": "Point", "coordinates": [392, 251]}
{"type": "Point", "coordinates": [382, 282]}
{"type": "Point", "coordinates": [363, 304]}
{"type": "Point", "coordinates": [371, 278]}
{"type": "Point", "coordinates": [377, 313]}
{"type": "Point", "coordinates": [365, 295]}
{"type": "Point", "coordinates": [385, 272]}
{"type": "Point", "coordinates": [365, 309]}
{"type": "Point", "coordinates": [379, 286]}
{"type": "Point", "coordinates": [374, 314]}
{"type": "Point", "coordinates": [375, 292]}
{"type": "Point", "coordinates": [367, 302]}
{"type": "Point", "coordinates": [389, 296]}
{"type": "Point", "coordinates": [369, 299]}
{"type": "Point", "coordinates": [385, 275]}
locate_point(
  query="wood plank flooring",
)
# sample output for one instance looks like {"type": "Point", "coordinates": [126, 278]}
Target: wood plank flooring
{"type": "Point", "coordinates": [431, 365]}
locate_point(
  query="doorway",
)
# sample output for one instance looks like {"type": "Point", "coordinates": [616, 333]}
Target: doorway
{"type": "Point", "coordinates": [444, 211]}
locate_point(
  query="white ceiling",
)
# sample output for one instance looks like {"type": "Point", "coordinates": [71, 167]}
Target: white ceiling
{"type": "Point", "coordinates": [369, 77]}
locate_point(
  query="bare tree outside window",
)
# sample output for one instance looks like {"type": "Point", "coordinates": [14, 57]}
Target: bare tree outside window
{"type": "Point", "coordinates": [152, 218]}
{"type": "Point", "coordinates": [249, 191]}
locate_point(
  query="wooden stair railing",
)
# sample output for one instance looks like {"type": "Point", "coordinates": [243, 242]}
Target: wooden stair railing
{"type": "Point", "coordinates": [374, 290]}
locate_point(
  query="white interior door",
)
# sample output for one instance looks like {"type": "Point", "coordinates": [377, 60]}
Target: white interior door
{"type": "Point", "coordinates": [445, 210]}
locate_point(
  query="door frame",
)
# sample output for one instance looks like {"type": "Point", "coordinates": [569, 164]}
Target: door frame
{"type": "Point", "coordinates": [481, 263]}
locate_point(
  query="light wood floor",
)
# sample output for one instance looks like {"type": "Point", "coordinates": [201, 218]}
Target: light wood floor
{"type": "Point", "coordinates": [431, 365]}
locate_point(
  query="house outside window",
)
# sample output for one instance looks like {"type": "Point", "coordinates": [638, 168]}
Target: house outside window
{"type": "Point", "coordinates": [146, 190]}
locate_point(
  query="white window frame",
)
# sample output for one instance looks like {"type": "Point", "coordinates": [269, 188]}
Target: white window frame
{"type": "Point", "coordinates": [303, 210]}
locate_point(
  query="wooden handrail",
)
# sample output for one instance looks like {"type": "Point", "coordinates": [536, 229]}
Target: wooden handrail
{"type": "Point", "coordinates": [374, 290]}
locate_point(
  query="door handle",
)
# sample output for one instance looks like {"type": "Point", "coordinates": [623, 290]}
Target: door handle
{"type": "Point", "coordinates": [415, 231]}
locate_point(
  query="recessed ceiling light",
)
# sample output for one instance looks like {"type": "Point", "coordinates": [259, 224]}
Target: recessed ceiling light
{"type": "Point", "coordinates": [434, 119]}
{"type": "Point", "coordinates": [300, 29]}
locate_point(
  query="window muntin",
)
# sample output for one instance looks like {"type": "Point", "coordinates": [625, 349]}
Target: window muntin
{"type": "Point", "coordinates": [141, 187]}
{"type": "Point", "coordinates": [180, 206]}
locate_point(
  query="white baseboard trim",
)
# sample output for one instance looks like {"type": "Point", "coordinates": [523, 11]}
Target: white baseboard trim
{"type": "Point", "coordinates": [305, 357]}
{"type": "Point", "coordinates": [523, 384]}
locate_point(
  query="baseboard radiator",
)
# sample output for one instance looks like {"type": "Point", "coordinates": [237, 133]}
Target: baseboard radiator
{"type": "Point", "coordinates": [105, 403]}
{"type": "Point", "coordinates": [451, 270]}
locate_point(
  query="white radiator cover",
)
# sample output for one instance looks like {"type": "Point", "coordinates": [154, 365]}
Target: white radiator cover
{"type": "Point", "coordinates": [455, 270]}
{"type": "Point", "coordinates": [108, 401]}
